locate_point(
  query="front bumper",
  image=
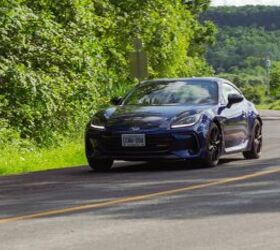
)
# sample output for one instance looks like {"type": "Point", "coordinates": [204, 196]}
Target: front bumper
{"type": "Point", "coordinates": [181, 144]}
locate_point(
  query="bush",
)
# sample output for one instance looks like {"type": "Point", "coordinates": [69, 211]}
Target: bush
{"type": "Point", "coordinates": [255, 94]}
{"type": "Point", "coordinates": [275, 105]}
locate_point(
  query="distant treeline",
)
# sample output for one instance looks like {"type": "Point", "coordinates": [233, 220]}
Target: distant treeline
{"type": "Point", "coordinates": [267, 17]}
{"type": "Point", "coordinates": [247, 37]}
{"type": "Point", "coordinates": [243, 49]}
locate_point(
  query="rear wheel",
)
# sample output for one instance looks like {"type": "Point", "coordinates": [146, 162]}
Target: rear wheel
{"type": "Point", "coordinates": [99, 165]}
{"type": "Point", "coordinates": [256, 143]}
{"type": "Point", "coordinates": [214, 147]}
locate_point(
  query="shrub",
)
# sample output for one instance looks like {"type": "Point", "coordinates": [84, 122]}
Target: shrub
{"type": "Point", "coordinates": [275, 105]}
{"type": "Point", "coordinates": [254, 94]}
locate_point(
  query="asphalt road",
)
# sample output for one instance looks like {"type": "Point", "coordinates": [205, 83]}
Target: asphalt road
{"type": "Point", "coordinates": [142, 206]}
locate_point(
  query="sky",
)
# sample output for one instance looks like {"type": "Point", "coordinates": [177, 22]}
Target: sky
{"type": "Point", "coordinates": [245, 2]}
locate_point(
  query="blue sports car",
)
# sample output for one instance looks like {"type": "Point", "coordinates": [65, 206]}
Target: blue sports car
{"type": "Point", "coordinates": [175, 119]}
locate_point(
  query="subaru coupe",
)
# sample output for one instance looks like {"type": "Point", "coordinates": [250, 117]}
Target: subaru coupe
{"type": "Point", "coordinates": [175, 119]}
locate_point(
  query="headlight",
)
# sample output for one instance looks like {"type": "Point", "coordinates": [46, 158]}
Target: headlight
{"type": "Point", "coordinates": [185, 121]}
{"type": "Point", "coordinates": [97, 124]}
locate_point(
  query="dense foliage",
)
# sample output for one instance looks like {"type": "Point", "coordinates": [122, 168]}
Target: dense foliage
{"type": "Point", "coordinates": [59, 60]}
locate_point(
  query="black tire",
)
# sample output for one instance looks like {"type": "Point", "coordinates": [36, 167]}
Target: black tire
{"type": "Point", "coordinates": [100, 165]}
{"type": "Point", "coordinates": [256, 142]}
{"type": "Point", "coordinates": [214, 147]}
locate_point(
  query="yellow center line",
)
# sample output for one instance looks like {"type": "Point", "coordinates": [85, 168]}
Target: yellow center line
{"type": "Point", "coordinates": [138, 197]}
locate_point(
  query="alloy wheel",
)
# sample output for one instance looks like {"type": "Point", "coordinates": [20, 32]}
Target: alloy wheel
{"type": "Point", "coordinates": [215, 144]}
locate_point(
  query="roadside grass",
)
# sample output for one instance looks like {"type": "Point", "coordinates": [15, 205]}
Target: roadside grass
{"type": "Point", "coordinates": [15, 161]}
{"type": "Point", "coordinates": [263, 106]}
{"type": "Point", "coordinates": [275, 105]}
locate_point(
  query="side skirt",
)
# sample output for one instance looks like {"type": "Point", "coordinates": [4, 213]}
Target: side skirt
{"type": "Point", "coordinates": [239, 148]}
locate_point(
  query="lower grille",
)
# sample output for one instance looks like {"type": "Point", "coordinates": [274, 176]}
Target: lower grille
{"type": "Point", "coordinates": [154, 144]}
{"type": "Point", "coordinates": [108, 143]}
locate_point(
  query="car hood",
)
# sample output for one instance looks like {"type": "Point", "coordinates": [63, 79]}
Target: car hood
{"type": "Point", "coordinates": [146, 117]}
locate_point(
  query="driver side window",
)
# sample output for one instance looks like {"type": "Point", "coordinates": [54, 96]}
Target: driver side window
{"type": "Point", "coordinates": [227, 90]}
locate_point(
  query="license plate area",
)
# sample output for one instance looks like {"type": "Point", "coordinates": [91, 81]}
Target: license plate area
{"type": "Point", "coordinates": [133, 140]}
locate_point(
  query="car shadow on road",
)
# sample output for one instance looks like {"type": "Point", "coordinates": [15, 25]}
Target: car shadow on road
{"type": "Point", "coordinates": [161, 166]}
{"type": "Point", "coordinates": [153, 167]}
{"type": "Point", "coordinates": [166, 166]}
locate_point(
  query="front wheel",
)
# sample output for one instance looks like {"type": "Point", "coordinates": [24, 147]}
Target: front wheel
{"type": "Point", "coordinates": [256, 142]}
{"type": "Point", "coordinates": [214, 147]}
{"type": "Point", "coordinates": [99, 165]}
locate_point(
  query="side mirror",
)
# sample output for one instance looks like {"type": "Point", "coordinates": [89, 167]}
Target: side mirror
{"type": "Point", "coordinates": [234, 98]}
{"type": "Point", "coordinates": [116, 101]}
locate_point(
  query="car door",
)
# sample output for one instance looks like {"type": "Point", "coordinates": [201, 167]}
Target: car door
{"type": "Point", "coordinates": [235, 120]}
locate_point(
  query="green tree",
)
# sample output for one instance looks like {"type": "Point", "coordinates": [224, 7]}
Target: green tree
{"type": "Point", "coordinates": [275, 80]}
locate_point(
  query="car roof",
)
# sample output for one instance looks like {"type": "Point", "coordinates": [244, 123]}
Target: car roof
{"type": "Point", "coordinates": [218, 80]}
{"type": "Point", "coordinates": [212, 79]}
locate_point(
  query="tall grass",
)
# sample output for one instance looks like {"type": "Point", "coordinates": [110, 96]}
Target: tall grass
{"type": "Point", "coordinates": [15, 161]}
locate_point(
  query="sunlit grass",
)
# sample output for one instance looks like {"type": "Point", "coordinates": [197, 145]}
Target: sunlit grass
{"type": "Point", "coordinates": [14, 161]}
{"type": "Point", "coordinates": [269, 106]}
{"type": "Point", "coordinates": [263, 106]}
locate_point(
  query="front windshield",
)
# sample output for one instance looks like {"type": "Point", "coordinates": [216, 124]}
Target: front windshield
{"type": "Point", "coordinates": [174, 93]}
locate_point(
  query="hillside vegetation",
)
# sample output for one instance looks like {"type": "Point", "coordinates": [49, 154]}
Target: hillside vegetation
{"type": "Point", "coordinates": [246, 16]}
{"type": "Point", "coordinates": [247, 37]}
